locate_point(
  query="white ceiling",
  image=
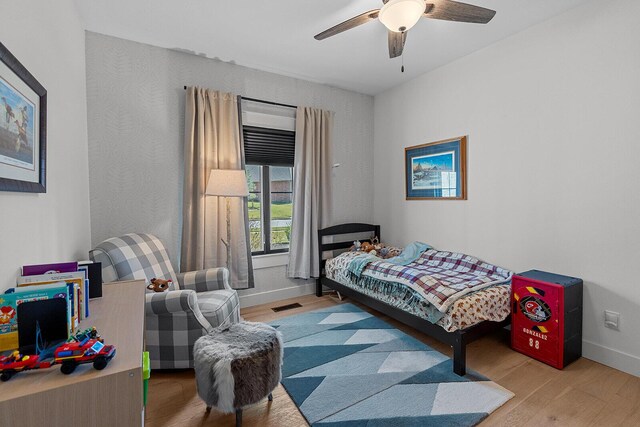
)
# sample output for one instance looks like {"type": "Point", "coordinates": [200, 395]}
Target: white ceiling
{"type": "Point", "coordinates": [277, 35]}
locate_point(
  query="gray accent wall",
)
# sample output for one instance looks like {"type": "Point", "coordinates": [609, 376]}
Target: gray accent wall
{"type": "Point", "coordinates": [135, 102]}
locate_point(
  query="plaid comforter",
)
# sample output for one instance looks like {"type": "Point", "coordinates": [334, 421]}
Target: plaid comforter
{"type": "Point", "coordinates": [440, 277]}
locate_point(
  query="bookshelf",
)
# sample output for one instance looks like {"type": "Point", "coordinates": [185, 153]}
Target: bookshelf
{"type": "Point", "coordinates": [111, 397]}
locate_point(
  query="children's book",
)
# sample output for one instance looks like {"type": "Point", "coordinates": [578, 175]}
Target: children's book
{"type": "Point", "coordinates": [8, 323]}
{"type": "Point", "coordinates": [51, 277]}
{"type": "Point", "coordinates": [86, 298]}
{"type": "Point", "coordinates": [79, 300]}
{"type": "Point", "coordinates": [94, 274]}
{"type": "Point", "coordinates": [10, 304]}
{"type": "Point", "coordinates": [75, 316]}
{"type": "Point", "coordinates": [59, 267]}
{"type": "Point", "coordinates": [41, 324]}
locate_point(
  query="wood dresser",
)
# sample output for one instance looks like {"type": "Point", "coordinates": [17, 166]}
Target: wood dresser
{"type": "Point", "coordinates": [111, 397]}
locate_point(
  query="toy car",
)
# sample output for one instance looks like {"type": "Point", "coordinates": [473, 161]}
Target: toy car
{"type": "Point", "coordinates": [88, 350]}
{"type": "Point", "coordinates": [83, 347]}
{"type": "Point", "coordinates": [16, 362]}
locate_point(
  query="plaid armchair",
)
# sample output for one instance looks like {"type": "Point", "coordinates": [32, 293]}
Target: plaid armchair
{"type": "Point", "coordinates": [175, 319]}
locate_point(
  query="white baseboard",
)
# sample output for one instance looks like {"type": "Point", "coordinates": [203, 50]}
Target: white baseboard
{"type": "Point", "coordinates": [611, 357]}
{"type": "Point", "coordinates": [276, 295]}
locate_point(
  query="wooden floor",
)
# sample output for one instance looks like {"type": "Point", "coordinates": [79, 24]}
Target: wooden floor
{"type": "Point", "coordinates": [585, 393]}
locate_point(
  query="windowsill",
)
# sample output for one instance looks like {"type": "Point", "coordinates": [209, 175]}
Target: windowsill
{"type": "Point", "coordinates": [270, 260]}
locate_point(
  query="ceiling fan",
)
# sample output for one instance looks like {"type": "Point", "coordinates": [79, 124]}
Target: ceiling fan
{"type": "Point", "coordinates": [400, 15]}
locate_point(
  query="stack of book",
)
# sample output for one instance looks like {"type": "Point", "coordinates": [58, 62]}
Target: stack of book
{"type": "Point", "coordinates": [47, 305]}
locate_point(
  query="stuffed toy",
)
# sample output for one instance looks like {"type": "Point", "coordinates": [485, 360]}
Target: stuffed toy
{"type": "Point", "coordinates": [159, 285]}
{"type": "Point", "coordinates": [366, 247]}
{"type": "Point", "coordinates": [390, 252]}
{"type": "Point", "coordinates": [376, 248]}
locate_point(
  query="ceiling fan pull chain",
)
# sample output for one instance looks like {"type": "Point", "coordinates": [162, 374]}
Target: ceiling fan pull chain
{"type": "Point", "coordinates": [402, 68]}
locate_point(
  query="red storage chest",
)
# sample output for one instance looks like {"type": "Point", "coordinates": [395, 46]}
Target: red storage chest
{"type": "Point", "coordinates": [546, 317]}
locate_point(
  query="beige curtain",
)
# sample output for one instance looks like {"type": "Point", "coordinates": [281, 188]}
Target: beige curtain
{"type": "Point", "coordinates": [213, 141]}
{"type": "Point", "coordinates": [311, 189]}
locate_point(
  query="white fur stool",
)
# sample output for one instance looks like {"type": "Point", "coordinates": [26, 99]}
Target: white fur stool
{"type": "Point", "coordinates": [237, 366]}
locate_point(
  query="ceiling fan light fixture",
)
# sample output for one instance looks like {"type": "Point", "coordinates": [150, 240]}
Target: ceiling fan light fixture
{"type": "Point", "coordinates": [401, 15]}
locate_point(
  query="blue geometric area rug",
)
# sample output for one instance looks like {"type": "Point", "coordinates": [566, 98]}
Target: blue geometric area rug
{"type": "Point", "coordinates": [345, 367]}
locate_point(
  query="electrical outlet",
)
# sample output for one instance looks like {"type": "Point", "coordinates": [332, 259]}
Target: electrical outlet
{"type": "Point", "coordinates": [612, 320]}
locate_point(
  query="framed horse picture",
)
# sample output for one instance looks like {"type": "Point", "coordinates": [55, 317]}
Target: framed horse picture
{"type": "Point", "coordinates": [23, 128]}
{"type": "Point", "coordinates": [437, 170]}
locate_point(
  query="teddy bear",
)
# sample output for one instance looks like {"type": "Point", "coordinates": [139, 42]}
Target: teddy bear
{"type": "Point", "coordinates": [159, 285]}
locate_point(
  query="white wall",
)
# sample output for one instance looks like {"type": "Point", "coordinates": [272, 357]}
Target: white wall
{"type": "Point", "coordinates": [48, 39]}
{"type": "Point", "coordinates": [552, 118]}
{"type": "Point", "coordinates": [135, 102]}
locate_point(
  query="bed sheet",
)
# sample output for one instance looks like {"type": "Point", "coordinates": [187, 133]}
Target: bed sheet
{"type": "Point", "coordinates": [492, 303]}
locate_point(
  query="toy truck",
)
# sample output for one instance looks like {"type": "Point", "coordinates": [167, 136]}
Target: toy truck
{"type": "Point", "coordinates": [89, 350]}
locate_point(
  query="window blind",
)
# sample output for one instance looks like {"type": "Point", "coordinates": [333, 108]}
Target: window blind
{"type": "Point", "coordinates": [273, 147]}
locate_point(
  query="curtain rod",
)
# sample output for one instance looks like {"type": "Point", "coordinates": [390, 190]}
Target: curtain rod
{"type": "Point", "coordinates": [262, 101]}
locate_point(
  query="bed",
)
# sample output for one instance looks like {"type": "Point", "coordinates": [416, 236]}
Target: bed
{"type": "Point", "coordinates": [467, 318]}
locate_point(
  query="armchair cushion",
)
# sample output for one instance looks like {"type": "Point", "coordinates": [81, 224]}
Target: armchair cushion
{"type": "Point", "coordinates": [220, 307]}
{"type": "Point", "coordinates": [211, 279]}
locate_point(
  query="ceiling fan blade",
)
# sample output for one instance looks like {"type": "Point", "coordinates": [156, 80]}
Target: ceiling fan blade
{"type": "Point", "coordinates": [348, 24]}
{"type": "Point", "coordinates": [396, 43]}
{"type": "Point", "coordinates": [461, 12]}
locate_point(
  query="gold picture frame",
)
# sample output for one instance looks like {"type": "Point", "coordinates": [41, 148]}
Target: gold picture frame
{"type": "Point", "coordinates": [437, 170]}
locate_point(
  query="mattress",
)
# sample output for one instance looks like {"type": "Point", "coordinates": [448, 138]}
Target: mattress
{"type": "Point", "coordinates": [491, 303]}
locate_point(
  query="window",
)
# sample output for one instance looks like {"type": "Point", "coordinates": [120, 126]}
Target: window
{"type": "Point", "coordinates": [270, 207]}
{"type": "Point", "coordinates": [269, 166]}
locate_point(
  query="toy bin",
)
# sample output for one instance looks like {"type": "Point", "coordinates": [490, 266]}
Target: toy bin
{"type": "Point", "coordinates": [546, 318]}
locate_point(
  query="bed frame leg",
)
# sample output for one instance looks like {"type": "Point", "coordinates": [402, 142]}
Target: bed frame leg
{"type": "Point", "coordinates": [460, 356]}
{"type": "Point", "coordinates": [318, 288]}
